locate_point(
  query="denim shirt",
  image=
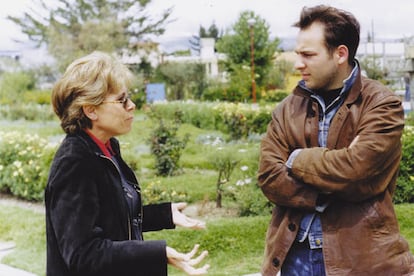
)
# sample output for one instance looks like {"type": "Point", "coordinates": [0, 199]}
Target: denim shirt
{"type": "Point", "coordinates": [310, 226]}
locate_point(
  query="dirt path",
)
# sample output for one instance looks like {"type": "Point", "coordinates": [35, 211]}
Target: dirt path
{"type": "Point", "coordinates": [11, 201]}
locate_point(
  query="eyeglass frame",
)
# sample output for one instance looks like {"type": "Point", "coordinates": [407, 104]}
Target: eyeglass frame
{"type": "Point", "coordinates": [124, 101]}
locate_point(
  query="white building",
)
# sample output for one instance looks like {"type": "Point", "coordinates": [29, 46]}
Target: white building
{"type": "Point", "coordinates": [151, 52]}
{"type": "Point", "coordinates": [207, 56]}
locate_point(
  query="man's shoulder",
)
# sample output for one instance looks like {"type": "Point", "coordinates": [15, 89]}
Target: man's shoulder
{"type": "Point", "coordinates": [374, 93]}
{"type": "Point", "coordinates": [374, 86]}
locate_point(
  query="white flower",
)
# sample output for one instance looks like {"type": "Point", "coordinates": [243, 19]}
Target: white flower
{"type": "Point", "coordinates": [18, 164]}
{"type": "Point", "coordinates": [240, 183]}
{"type": "Point", "coordinates": [244, 168]}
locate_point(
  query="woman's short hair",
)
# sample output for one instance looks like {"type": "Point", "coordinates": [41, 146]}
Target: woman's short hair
{"type": "Point", "coordinates": [341, 27]}
{"type": "Point", "coordinates": [87, 81]}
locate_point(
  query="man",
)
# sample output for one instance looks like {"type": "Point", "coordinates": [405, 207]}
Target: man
{"type": "Point", "coordinates": [329, 161]}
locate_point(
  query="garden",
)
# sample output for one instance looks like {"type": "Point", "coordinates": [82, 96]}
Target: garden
{"type": "Point", "coordinates": [200, 146]}
{"type": "Point", "coordinates": [209, 161]}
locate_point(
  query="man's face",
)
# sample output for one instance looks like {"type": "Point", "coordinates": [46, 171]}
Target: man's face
{"type": "Point", "coordinates": [318, 67]}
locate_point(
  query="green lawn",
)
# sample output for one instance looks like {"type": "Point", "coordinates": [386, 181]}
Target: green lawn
{"type": "Point", "coordinates": [235, 245]}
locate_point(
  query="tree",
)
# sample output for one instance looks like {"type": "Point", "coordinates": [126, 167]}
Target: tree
{"type": "Point", "coordinates": [236, 44]}
{"type": "Point", "coordinates": [72, 28]}
{"type": "Point", "coordinates": [212, 32]}
{"type": "Point", "coordinates": [182, 77]}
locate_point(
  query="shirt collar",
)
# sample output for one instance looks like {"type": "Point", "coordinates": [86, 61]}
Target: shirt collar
{"type": "Point", "coordinates": [348, 82]}
{"type": "Point", "coordinates": [105, 148]}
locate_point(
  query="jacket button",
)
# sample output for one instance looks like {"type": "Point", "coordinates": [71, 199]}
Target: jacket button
{"type": "Point", "coordinates": [275, 262]}
{"type": "Point", "coordinates": [292, 227]}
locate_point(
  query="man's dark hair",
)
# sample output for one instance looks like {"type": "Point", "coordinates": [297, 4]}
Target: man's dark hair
{"type": "Point", "coordinates": [341, 27]}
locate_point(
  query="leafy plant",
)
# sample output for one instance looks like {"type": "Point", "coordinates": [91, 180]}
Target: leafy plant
{"type": "Point", "coordinates": [166, 146]}
{"type": "Point", "coordinates": [154, 192]}
{"type": "Point", "coordinates": [404, 193]}
{"type": "Point", "coordinates": [224, 161]}
{"type": "Point", "coordinates": [13, 85]}
{"type": "Point", "coordinates": [24, 164]}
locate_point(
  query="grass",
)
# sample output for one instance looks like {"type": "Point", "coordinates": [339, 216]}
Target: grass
{"type": "Point", "coordinates": [232, 248]}
{"type": "Point", "coordinates": [235, 245]}
{"type": "Point", "coordinates": [27, 230]}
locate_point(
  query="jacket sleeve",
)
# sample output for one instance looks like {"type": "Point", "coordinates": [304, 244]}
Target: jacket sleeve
{"type": "Point", "coordinates": [365, 169]}
{"type": "Point", "coordinates": [157, 217]}
{"type": "Point", "coordinates": [273, 176]}
{"type": "Point", "coordinates": [73, 209]}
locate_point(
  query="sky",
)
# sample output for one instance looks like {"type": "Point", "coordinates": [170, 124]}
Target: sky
{"type": "Point", "coordinates": [387, 19]}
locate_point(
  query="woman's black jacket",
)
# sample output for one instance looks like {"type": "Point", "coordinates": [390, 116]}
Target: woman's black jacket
{"type": "Point", "coordinates": [87, 221]}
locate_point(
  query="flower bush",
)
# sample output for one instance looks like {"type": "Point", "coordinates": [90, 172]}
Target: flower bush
{"type": "Point", "coordinates": [404, 193]}
{"type": "Point", "coordinates": [24, 164]}
{"type": "Point", "coordinates": [155, 192]}
{"type": "Point", "coordinates": [239, 120]}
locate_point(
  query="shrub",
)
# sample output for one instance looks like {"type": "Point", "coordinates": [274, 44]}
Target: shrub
{"type": "Point", "coordinates": [29, 112]}
{"type": "Point", "coordinates": [258, 120]}
{"type": "Point", "coordinates": [154, 192]}
{"type": "Point", "coordinates": [404, 192]}
{"type": "Point", "coordinates": [240, 120]}
{"type": "Point", "coordinates": [250, 199]}
{"type": "Point", "coordinates": [24, 164]}
{"type": "Point", "coordinates": [41, 97]}
{"type": "Point", "coordinates": [138, 97]}
{"type": "Point", "coordinates": [223, 161]}
{"type": "Point", "coordinates": [214, 93]}
{"type": "Point", "coordinates": [13, 85]}
{"type": "Point", "coordinates": [275, 95]}
{"type": "Point", "coordinates": [245, 190]}
{"type": "Point", "coordinates": [409, 119]}
{"type": "Point", "coordinates": [166, 146]}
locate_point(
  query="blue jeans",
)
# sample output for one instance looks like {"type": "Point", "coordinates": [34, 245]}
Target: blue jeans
{"type": "Point", "coordinates": [303, 261]}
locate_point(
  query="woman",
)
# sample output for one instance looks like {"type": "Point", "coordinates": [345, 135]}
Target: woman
{"type": "Point", "coordinates": [94, 215]}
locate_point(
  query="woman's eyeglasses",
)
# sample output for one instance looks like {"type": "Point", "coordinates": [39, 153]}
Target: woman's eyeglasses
{"type": "Point", "coordinates": [123, 101]}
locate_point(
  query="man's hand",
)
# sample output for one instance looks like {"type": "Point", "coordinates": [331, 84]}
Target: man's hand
{"type": "Point", "coordinates": [180, 219]}
{"type": "Point", "coordinates": [186, 263]}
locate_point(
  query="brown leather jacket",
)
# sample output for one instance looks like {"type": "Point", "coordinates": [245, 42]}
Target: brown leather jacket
{"type": "Point", "coordinates": [360, 229]}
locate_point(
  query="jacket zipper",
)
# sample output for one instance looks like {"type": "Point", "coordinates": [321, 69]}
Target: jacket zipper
{"type": "Point", "coordinates": [128, 216]}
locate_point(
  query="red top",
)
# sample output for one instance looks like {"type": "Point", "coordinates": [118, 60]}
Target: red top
{"type": "Point", "coordinates": [105, 148]}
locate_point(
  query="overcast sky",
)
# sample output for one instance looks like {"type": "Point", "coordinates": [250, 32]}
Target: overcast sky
{"type": "Point", "coordinates": [393, 19]}
{"type": "Point", "coordinates": [389, 19]}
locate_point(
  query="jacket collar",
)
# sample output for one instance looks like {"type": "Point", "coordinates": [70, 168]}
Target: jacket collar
{"type": "Point", "coordinates": [356, 88]}
{"type": "Point", "coordinates": [353, 84]}
{"type": "Point", "coordinates": [89, 141]}
{"type": "Point", "coordinates": [105, 148]}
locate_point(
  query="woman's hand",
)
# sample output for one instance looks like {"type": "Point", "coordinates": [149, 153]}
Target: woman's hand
{"type": "Point", "coordinates": [180, 219]}
{"type": "Point", "coordinates": [185, 262]}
